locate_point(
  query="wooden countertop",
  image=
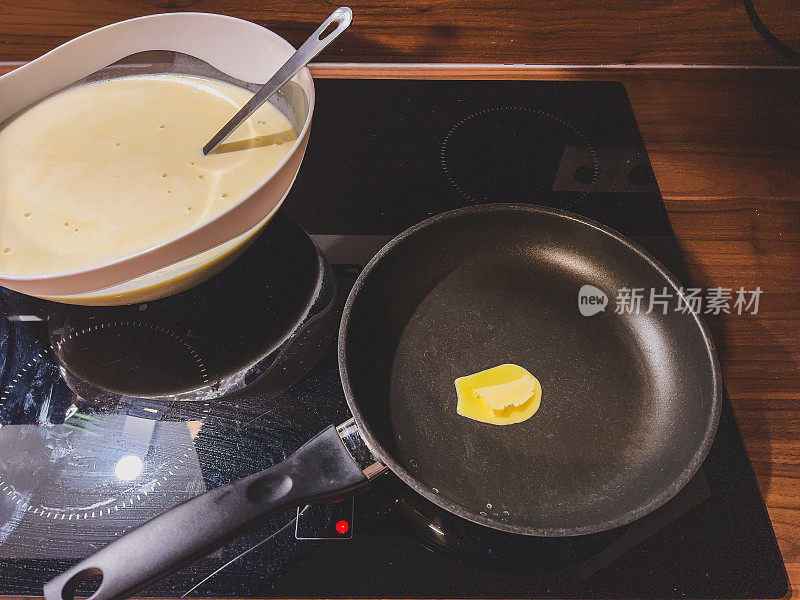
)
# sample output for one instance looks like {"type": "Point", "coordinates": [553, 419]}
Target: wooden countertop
{"type": "Point", "coordinates": [485, 31]}
{"type": "Point", "coordinates": [725, 146]}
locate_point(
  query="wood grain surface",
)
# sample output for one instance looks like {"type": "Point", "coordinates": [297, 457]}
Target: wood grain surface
{"type": "Point", "coordinates": [484, 31]}
{"type": "Point", "coordinates": [725, 146]}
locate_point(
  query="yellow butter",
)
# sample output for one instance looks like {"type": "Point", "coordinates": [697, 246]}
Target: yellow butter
{"type": "Point", "coordinates": [502, 395]}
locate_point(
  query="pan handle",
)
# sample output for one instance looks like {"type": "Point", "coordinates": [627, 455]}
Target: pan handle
{"type": "Point", "coordinates": [320, 470]}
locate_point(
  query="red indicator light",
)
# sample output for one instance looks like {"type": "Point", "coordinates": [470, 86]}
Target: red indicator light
{"type": "Point", "coordinates": [342, 527]}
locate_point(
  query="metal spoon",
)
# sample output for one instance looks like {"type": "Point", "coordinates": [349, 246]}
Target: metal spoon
{"type": "Point", "coordinates": [341, 17]}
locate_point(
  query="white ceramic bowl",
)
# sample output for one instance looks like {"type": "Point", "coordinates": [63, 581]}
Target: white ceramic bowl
{"type": "Point", "coordinates": [232, 48]}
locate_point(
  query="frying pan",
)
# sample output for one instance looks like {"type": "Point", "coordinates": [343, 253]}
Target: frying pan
{"type": "Point", "coordinates": [629, 408]}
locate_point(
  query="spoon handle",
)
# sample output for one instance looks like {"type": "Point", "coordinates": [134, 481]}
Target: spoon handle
{"type": "Point", "coordinates": [341, 17]}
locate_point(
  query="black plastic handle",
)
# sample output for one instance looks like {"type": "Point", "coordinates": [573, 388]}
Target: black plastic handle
{"type": "Point", "coordinates": [320, 470]}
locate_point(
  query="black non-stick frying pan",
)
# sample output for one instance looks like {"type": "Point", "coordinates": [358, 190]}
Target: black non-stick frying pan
{"type": "Point", "coordinates": [629, 408]}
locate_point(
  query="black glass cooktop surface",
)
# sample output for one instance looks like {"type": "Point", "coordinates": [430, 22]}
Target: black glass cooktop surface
{"type": "Point", "coordinates": [78, 470]}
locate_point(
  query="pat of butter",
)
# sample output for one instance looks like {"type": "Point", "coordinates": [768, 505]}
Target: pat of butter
{"type": "Point", "coordinates": [502, 395]}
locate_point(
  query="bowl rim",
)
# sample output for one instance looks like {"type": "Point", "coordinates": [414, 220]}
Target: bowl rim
{"type": "Point", "coordinates": [66, 283]}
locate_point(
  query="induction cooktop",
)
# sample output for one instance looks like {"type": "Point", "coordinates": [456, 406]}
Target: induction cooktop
{"type": "Point", "coordinates": [81, 465]}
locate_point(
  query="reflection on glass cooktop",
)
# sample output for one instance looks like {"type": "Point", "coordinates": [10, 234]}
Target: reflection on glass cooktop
{"type": "Point", "coordinates": [110, 416]}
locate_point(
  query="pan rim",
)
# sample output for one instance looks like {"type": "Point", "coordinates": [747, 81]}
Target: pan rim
{"type": "Point", "coordinates": [380, 452]}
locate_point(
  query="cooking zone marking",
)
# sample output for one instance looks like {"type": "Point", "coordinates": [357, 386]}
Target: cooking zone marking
{"type": "Point", "coordinates": [109, 505]}
{"type": "Point", "coordinates": [499, 109]}
{"type": "Point", "coordinates": [189, 348]}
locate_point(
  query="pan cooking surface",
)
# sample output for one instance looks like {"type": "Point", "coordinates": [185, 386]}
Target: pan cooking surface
{"type": "Point", "coordinates": [627, 398]}
{"type": "Point", "coordinates": [598, 423]}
